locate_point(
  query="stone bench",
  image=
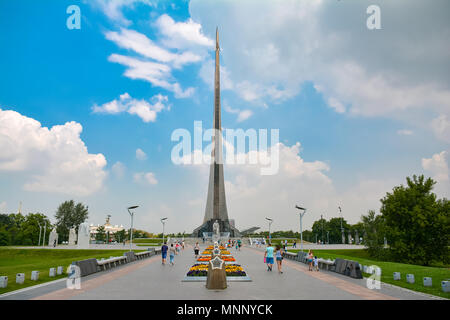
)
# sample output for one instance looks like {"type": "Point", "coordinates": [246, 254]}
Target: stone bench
{"type": "Point", "coordinates": [290, 255]}
{"type": "Point", "coordinates": [111, 262]}
{"type": "Point", "coordinates": [326, 264]}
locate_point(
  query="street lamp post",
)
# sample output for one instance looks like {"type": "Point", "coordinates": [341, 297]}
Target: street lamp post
{"type": "Point", "coordinates": [270, 223]}
{"type": "Point", "coordinates": [301, 227]}
{"type": "Point", "coordinates": [45, 230]}
{"type": "Point", "coordinates": [131, 229]}
{"type": "Point", "coordinates": [163, 221]}
{"type": "Point", "coordinates": [342, 229]}
{"type": "Point", "coordinates": [328, 237]}
{"type": "Point", "coordinates": [40, 229]}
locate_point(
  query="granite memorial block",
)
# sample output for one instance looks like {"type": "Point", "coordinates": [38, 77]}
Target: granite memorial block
{"type": "Point", "coordinates": [397, 276]}
{"type": "Point", "coordinates": [427, 282]}
{"type": "Point", "coordinates": [130, 256]}
{"type": "Point", "coordinates": [3, 281]}
{"type": "Point", "coordinates": [20, 278]}
{"type": "Point", "coordinates": [410, 278]}
{"type": "Point", "coordinates": [34, 275]}
{"type": "Point", "coordinates": [59, 270]}
{"type": "Point", "coordinates": [52, 272]}
{"type": "Point", "coordinates": [445, 285]}
{"type": "Point", "coordinates": [87, 267]}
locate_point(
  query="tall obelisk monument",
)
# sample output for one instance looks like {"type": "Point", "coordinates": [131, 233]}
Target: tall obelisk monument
{"type": "Point", "coordinates": [216, 206]}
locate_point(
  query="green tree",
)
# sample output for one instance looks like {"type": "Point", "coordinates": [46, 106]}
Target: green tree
{"type": "Point", "coordinates": [120, 236]}
{"type": "Point", "coordinates": [5, 239]}
{"type": "Point", "coordinates": [374, 230]}
{"type": "Point", "coordinates": [416, 223]}
{"type": "Point", "coordinates": [319, 229]}
{"type": "Point", "coordinates": [69, 215]}
{"type": "Point", "coordinates": [101, 234]}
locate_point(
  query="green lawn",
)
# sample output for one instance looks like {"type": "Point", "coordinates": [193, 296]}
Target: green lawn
{"type": "Point", "coordinates": [13, 261]}
{"type": "Point", "coordinates": [148, 240]}
{"type": "Point", "coordinates": [388, 268]}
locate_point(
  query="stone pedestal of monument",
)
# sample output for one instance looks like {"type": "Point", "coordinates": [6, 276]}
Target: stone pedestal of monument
{"type": "Point", "coordinates": [83, 236]}
{"type": "Point", "coordinates": [72, 237]}
{"type": "Point", "coordinates": [53, 238]}
{"type": "Point", "coordinates": [217, 277]}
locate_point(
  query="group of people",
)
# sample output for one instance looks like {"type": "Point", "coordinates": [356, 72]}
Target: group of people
{"type": "Point", "coordinates": [172, 250]}
{"type": "Point", "coordinates": [278, 252]}
{"type": "Point", "coordinates": [269, 254]}
{"type": "Point", "coordinates": [313, 262]}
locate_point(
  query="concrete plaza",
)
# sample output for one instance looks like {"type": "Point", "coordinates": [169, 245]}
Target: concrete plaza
{"type": "Point", "coordinates": [149, 279]}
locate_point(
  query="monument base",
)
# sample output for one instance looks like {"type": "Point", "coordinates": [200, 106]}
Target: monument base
{"type": "Point", "coordinates": [224, 226]}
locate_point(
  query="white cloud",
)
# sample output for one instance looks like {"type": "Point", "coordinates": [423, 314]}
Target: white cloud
{"type": "Point", "coordinates": [437, 165]}
{"type": "Point", "coordinates": [143, 109]}
{"type": "Point", "coordinates": [242, 114]}
{"type": "Point", "coordinates": [138, 42]}
{"type": "Point", "coordinates": [182, 34]}
{"type": "Point", "coordinates": [272, 48]}
{"type": "Point", "coordinates": [404, 132]}
{"type": "Point", "coordinates": [52, 160]}
{"type": "Point", "coordinates": [145, 178]}
{"type": "Point", "coordinates": [113, 8]}
{"type": "Point", "coordinates": [140, 154]}
{"type": "Point", "coordinates": [3, 206]}
{"type": "Point", "coordinates": [118, 169]}
{"type": "Point", "coordinates": [441, 127]}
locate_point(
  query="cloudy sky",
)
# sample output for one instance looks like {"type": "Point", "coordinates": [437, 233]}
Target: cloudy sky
{"type": "Point", "coordinates": [88, 114]}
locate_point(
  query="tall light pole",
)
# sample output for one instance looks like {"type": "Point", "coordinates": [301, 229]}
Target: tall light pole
{"type": "Point", "coordinates": [301, 227]}
{"type": "Point", "coordinates": [45, 230]}
{"type": "Point", "coordinates": [270, 223]}
{"type": "Point", "coordinates": [40, 229]}
{"type": "Point", "coordinates": [321, 218]}
{"type": "Point", "coordinates": [131, 229]}
{"type": "Point", "coordinates": [342, 229]}
{"type": "Point", "coordinates": [163, 221]}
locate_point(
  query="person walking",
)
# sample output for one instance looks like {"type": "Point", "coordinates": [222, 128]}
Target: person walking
{"type": "Point", "coordinates": [239, 244]}
{"type": "Point", "coordinates": [164, 249]}
{"type": "Point", "coordinates": [196, 250]}
{"type": "Point", "coordinates": [295, 244]}
{"type": "Point", "coordinates": [268, 256]}
{"type": "Point", "coordinates": [172, 252]}
{"type": "Point", "coordinates": [310, 260]}
{"type": "Point", "coordinates": [279, 257]}
{"type": "Point", "coordinates": [316, 263]}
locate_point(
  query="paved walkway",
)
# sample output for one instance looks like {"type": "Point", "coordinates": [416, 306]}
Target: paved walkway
{"type": "Point", "coordinates": [149, 279]}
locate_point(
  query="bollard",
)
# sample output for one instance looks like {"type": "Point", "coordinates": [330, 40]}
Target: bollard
{"type": "Point", "coordinates": [52, 272]}
{"type": "Point", "coordinates": [397, 276]}
{"type": "Point", "coordinates": [34, 275]}
{"type": "Point", "coordinates": [60, 270]}
{"type": "Point", "coordinates": [445, 285]}
{"type": "Point", "coordinates": [410, 278]}
{"type": "Point", "coordinates": [3, 281]}
{"type": "Point", "coordinates": [427, 282]}
{"type": "Point", "coordinates": [20, 278]}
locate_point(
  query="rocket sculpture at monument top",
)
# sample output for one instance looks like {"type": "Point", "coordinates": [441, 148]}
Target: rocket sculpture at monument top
{"type": "Point", "coordinates": [216, 206]}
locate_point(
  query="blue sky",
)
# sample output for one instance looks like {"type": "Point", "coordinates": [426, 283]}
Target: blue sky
{"type": "Point", "coordinates": [366, 107]}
